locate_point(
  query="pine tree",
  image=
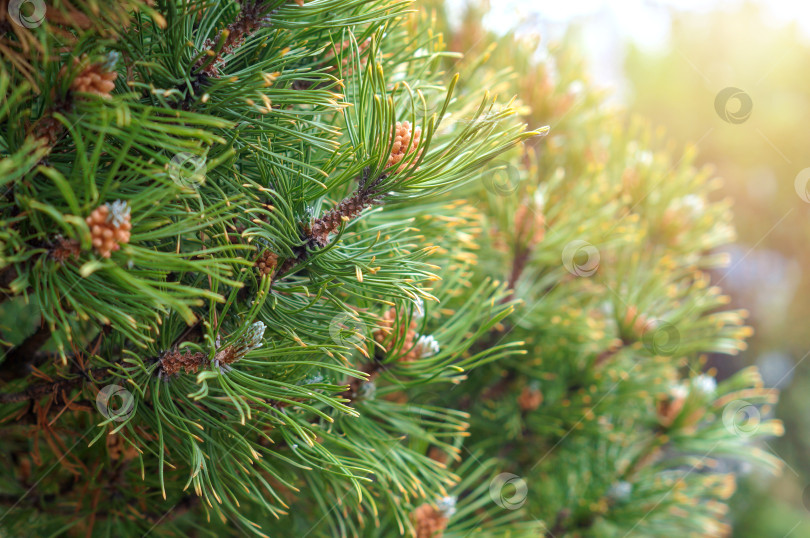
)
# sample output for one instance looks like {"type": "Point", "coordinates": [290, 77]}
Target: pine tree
{"type": "Point", "coordinates": [252, 284]}
{"type": "Point", "coordinates": [609, 422]}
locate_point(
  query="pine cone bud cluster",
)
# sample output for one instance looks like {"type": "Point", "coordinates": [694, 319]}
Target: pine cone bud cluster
{"type": "Point", "coordinates": [266, 262]}
{"type": "Point", "coordinates": [678, 404]}
{"type": "Point", "coordinates": [530, 398]}
{"type": "Point", "coordinates": [109, 227]}
{"type": "Point", "coordinates": [96, 78]}
{"type": "Point", "coordinates": [172, 362]}
{"type": "Point", "coordinates": [430, 521]}
{"type": "Point", "coordinates": [393, 330]}
{"type": "Point", "coordinates": [405, 142]}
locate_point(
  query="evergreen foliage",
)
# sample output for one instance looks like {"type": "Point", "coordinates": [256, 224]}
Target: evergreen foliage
{"type": "Point", "coordinates": [253, 277]}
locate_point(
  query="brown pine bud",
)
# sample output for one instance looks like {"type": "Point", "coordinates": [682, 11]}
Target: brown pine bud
{"type": "Point", "coordinates": [248, 341]}
{"type": "Point", "coordinates": [669, 405]}
{"type": "Point", "coordinates": [266, 262]}
{"type": "Point", "coordinates": [530, 398]}
{"type": "Point", "coordinates": [394, 330]}
{"type": "Point", "coordinates": [47, 130]}
{"type": "Point", "coordinates": [95, 78]}
{"type": "Point", "coordinates": [405, 142]}
{"type": "Point", "coordinates": [172, 362]}
{"type": "Point", "coordinates": [429, 521]}
{"type": "Point", "coordinates": [109, 227]}
{"type": "Point", "coordinates": [437, 454]}
{"type": "Point", "coordinates": [64, 249]}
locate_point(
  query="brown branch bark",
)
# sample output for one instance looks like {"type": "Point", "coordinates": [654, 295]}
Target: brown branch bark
{"type": "Point", "coordinates": [39, 390]}
{"type": "Point", "coordinates": [19, 358]}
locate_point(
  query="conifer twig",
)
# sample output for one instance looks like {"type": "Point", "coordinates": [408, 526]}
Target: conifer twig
{"type": "Point", "coordinates": [252, 17]}
{"type": "Point", "coordinates": [42, 389]}
{"type": "Point", "coordinates": [318, 231]}
{"type": "Point", "coordinates": [21, 356]}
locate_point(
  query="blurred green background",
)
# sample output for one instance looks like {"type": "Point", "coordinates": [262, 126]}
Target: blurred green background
{"type": "Point", "coordinates": [746, 47]}
{"type": "Point", "coordinates": [672, 63]}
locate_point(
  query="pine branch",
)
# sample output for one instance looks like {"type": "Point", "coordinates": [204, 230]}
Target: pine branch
{"type": "Point", "coordinates": [316, 234]}
{"type": "Point", "coordinates": [319, 230]}
{"type": "Point", "coordinates": [20, 357]}
{"type": "Point", "coordinates": [519, 261]}
{"type": "Point", "coordinates": [39, 390]}
{"type": "Point", "coordinates": [251, 18]}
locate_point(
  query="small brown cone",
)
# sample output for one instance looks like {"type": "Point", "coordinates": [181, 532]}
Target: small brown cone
{"type": "Point", "coordinates": [266, 262]}
{"type": "Point", "coordinates": [95, 79]}
{"type": "Point", "coordinates": [63, 249]}
{"type": "Point", "coordinates": [405, 142]}
{"type": "Point", "coordinates": [109, 227]}
{"type": "Point", "coordinates": [530, 399]}
{"type": "Point", "coordinates": [429, 521]}
{"type": "Point", "coordinates": [172, 362]}
{"type": "Point", "coordinates": [669, 406]}
{"type": "Point", "coordinates": [386, 336]}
